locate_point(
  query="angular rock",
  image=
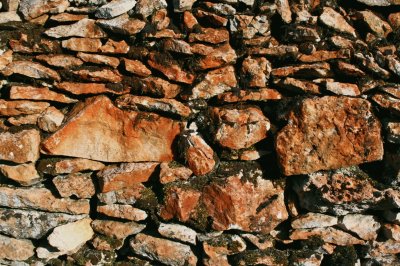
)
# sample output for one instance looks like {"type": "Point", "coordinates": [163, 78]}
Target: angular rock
{"type": "Point", "coordinates": [147, 7]}
{"type": "Point", "coordinates": [50, 120]}
{"type": "Point", "coordinates": [145, 103]}
{"type": "Point", "coordinates": [392, 90]}
{"type": "Point", "coordinates": [40, 199]}
{"type": "Point", "coordinates": [217, 249]}
{"type": "Point", "coordinates": [115, 8]}
{"type": "Point", "coordinates": [391, 231]}
{"type": "Point", "coordinates": [23, 120]}
{"type": "Point", "coordinates": [241, 204]}
{"type": "Point", "coordinates": [261, 241]}
{"type": "Point", "coordinates": [256, 71]}
{"type": "Point", "coordinates": [339, 88]}
{"type": "Point", "coordinates": [125, 175]}
{"type": "Point", "coordinates": [320, 136]}
{"type": "Point", "coordinates": [165, 251]}
{"type": "Point", "coordinates": [393, 132]}
{"type": "Point", "coordinates": [77, 184]}
{"type": "Point", "coordinates": [30, 69]}
{"type": "Point", "coordinates": [85, 28]}
{"type": "Point", "coordinates": [119, 230]}
{"type": "Point", "coordinates": [350, 70]}
{"type": "Point", "coordinates": [15, 249]}
{"type": "Point", "coordinates": [6, 58]}
{"type": "Point", "coordinates": [378, 26]}
{"type": "Point", "coordinates": [368, 62]}
{"type": "Point", "coordinates": [71, 236]}
{"type": "Point", "coordinates": [210, 35]}
{"type": "Point", "coordinates": [24, 174]}
{"type": "Point", "coordinates": [328, 234]}
{"type": "Point", "coordinates": [136, 67]}
{"type": "Point", "coordinates": [215, 82]}
{"type": "Point", "coordinates": [159, 87]}
{"type": "Point", "coordinates": [122, 25]}
{"type": "Point", "coordinates": [68, 17]}
{"type": "Point", "coordinates": [38, 93]}
{"type": "Point", "coordinates": [170, 173]}
{"type": "Point", "coordinates": [334, 20]}
{"type": "Point", "coordinates": [214, 56]}
{"type": "Point", "coordinates": [379, 2]}
{"type": "Point", "coordinates": [31, 9]}
{"type": "Point", "coordinates": [283, 9]}
{"type": "Point", "coordinates": [123, 196]}
{"type": "Point", "coordinates": [177, 46]}
{"type": "Point", "coordinates": [261, 95]}
{"type": "Point", "coordinates": [122, 211]}
{"type": "Point", "coordinates": [103, 75]}
{"type": "Point", "coordinates": [58, 166]}
{"type": "Point", "coordinates": [178, 232]}
{"type": "Point", "coordinates": [387, 102]}
{"type": "Point", "coordinates": [114, 47]}
{"type": "Point", "coordinates": [299, 86]}
{"type": "Point", "coordinates": [280, 51]}
{"type": "Point", "coordinates": [63, 61]}
{"type": "Point", "coordinates": [99, 59]}
{"type": "Point", "coordinates": [82, 44]}
{"type": "Point", "coordinates": [182, 5]}
{"type": "Point", "coordinates": [323, 55]}
{"type": "Point", "coordinates": [90, 88]}
{"type": "Point", "coordinates": [269, 256]}
{"type": "Point", "coordinates": [314, 220]}
{"type": "Point", "coordinates": [317, 70]}
{"type": "Point", "coordinates": [365, 226]}
{"type": "Point", "coordinates": [6, 17]}
{"type": "Point", "coordinates": [20, 147]}
{"type": "Point", "coordinates": [32, 224]}
{"type": "Point", "coordinates": [239, 128]}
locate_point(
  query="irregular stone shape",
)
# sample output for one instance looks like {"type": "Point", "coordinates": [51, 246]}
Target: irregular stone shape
{"type": "Point", "coordinates": [217, 249]}
{"type": "Point", "coordinates": [20, 147]}
{"type": "Point", "coordinates": [170, 173]}
{"type": "Point", "coordinates": [269, 256]}
{"type": "Point", "coordinates": [317, 70]}
{"type": "Point", "coordinates": [100, 75]}
{"type": "Point", "coordinates": [40, 199]}
{"type": "Point", "coordinates": [380, 2]}
{"type": "Point", "coordinates": [210, 35]}
{"type": "Point", "coordinates": [85, 28]}
{"type": "Point", "coordinates": [99, 59]}
{"type": "Point", "coordinates": [122, 211]}
{"type": "Point", "coordinates": [11, 16]}
{"type": "Point", "coordinates": [78, 184]}
{"type": "Point", "coordinates": [350, 70]}
{"type": "Point", "coordinates": [56, 166]}
{"type": "Point", "coordinates": [261, 241]}
{"type": "Point", "coordinates": [145, 103]}
{"type": "Point", "coordinates": [365, 226]}
{"type": "Point", "coordinates": [115, 8]}
{"type": "Point", "coordinates": [50, 120]}
{"type": "Point", "coordinates": [178, 232]}
{"type": "Point", "coordinates": [391, 231]}
{"type": "Point", "coordinates": [248, 206]}
{"type": "Point", "coordinates": [6, 58]}
{"type": "Point", "coordinates": [198, 155]}
{"type": "Point", "coordinates": [328, 234]}
{"type": "Point", "coordinates": [323, 55]}
{"type": "Point", "coordinates": [213, 19]}
{"type": "Point", "coordinates": [368, 61]}
{"type": "Point", "coordinates": [346, 89]}
{"type": "Point", "coordinates": [215, 82]}
{"type": "Point", "coordinates": [343, 191]}
{"type": "Point", "coordinates": [239, 128]}
{"type": "Point", "coordinates": [15, 249]}
{"type": "Point", "coordinates": [117, 177]}
{"type": "Point", "coordinates": [280, 51]}
{"type": "Point", "coordinates": [24, 174]}
{"type": "Point", "coordinates": [283, 9]}
{"type": "Point", "coordinates": [214, 56]}
{"type": "Point", "coordinates": [30, 69]}
{"type": "Point", "coordinates": [162, 250]}
{"type": "Point", "coordinates": [177, 46]}
{"type": "Point", "coordinates": [262, 95]}
{"type": "Point", "coordinates": [119, 230]}
{"type": "Point", "coordinates": [68, 17]}
{"type": "Point", "coordinates": [82, 44]}
{"type": "Point", "coordinates": [32, 224]}
{"type": "Point", "coordinates": [136, 67]}
{"type": "Point", "coordinates": [123, 196]}
{"type": "Point", "coordinates": [299, 86]}
{"type": "Point", "coordinates": [63, 61]}
{"type": "Point", "coordinates": [147, 7]}
{"type": "Point", "coordinates": [71, 236]}
{"type": "Point", "coordinates": [31, 9]}
{"type": "Point", "coordinates": [114, 47]}
{"type": "Point", "coordinates": [23, 120]}
{"type": "Point", "coordinates": [159, 87]}
{"type": "Point", "coordinates": [329, 133]}
{"type": "Point", "coordinates": [140, 141]}
{"type": "Point", "coordinates": [388, 102]}
{"type": "Point", "coordinates": [91, 88]}
{"type": "Point", "coordinates": [392, 90]}
{"type": "Point", "coordinates": [122, 25]}
{"type": "Point", "coordinates": [256, 71]}
{"type": "Point", "coordinates": [378, 26]}
{"type": "Point", "coordinates": [182, 5]}
{"type": "Point", "coordinates": [38, 93]}
{"type": "Point", "coordinates": [314, 220]}
{"type": "Point", "coordinates": [334, 20]}
{"type": "Point", "coordinates": [170, 68]}
{"type": "Point", "coordinates": [393, 132]}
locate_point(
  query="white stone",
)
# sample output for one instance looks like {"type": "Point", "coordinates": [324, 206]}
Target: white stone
{"type": "Point", "coordinates": [115, 8]}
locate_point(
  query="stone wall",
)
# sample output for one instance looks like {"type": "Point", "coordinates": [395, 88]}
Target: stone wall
{"type": "Point", "coordinates": [184, 132]}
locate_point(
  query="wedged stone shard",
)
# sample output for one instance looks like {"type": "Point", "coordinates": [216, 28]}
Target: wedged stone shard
{"type": "Point", "coordinates": [86, 28]}
{"type": "Point", "coordinates": [122, 25]}
{"type": "Point", "coordinates": [56, 166]}
{"type": "Point", "coordinates": [158, 87]}
{"type": "Point", "coordinates": [124, 196]}
{"type": "Point", "coordinates": [123, 211]}
{"type": "Point", "coordinates": [99, 59]}
{"type": "Point", "coordinates": [178, 232]}
{"type": "Point", "coordinates": [239, 128]}
{"type": "Point", "coordinates": [98, 125]}
{"type": "Point", "coordinates": [316, 70]}
{"type": "Point", "coordinates": [378, 26]}
{"type": "Point", "coordinates": [256, 71]}
{"type": "Point", "coordinates": [40, 199]}
{"type": "Point", "coordinates": [314, 220]}
{"type": "Point", "coordinates": [244, 205]}
{"type": "Point", "coordinates": [30, 69]}
{"type": "Point", "coordinates": [328, 234]}
{"type": "Point", "coordinates": [329, 133]}
{"type": "Point", "coordinates": [15, 249]}
{"type": "Point", "coordinates": [388, 102]}
{"type": "Point", "coordinates": [170, 173]}
{"type": "Point", "coordinates": [100, 75]}
{"type": "Point", "coordinates": [365, 226]}
{"type": "Point", "coordinates": [334, 20]}
{"type": "Point", "coordinates": [299, 86]}
{"type": "Point", "coordinates": [261, 95]}
{"type": "Point", "coordinates": [136, 67]}
{"type": "Point", "coordinates": [91, 88]}
{"type": "Point", "coordinates": [23, 120]}
{"type": "Point", "coordinates": [339, 88]}
{"type": "Point", "coordinates": [214, 56]}
{"type": "Point", "coordinates": [20, 147]}
{"type": "Point", "coordinates": [68, 17]}
{"type": "Point", "coordinates": [82, 44]}
{"type": "Point", "coordinates": [50, 120]}
{"type": "Point", "coordinates": [119, 230]}
{"type": "Point", "coordinates": [115, 8]}
{"type": "Point", "coordinates": [210, 35]}
{"type": "Point", "coordinates": [71, 236]}
{"type": "Point", "coordinates": [115, 47]}
{"type": "Point", "coordinates": [38, 93]}
{"type": "Point", "coordinates": [24, 174]}
{"type": "Point", "coordinates": [63, 61]}
{"type": "Point", "coordinates": [31, 9]}
{"type": "Point", "coordinates": [116, 177]}
{"type": "Point", "coordinates": [163, 250]}
{"type": "Point", "coordinates": [78, 184]}
{"type": "Point", "coordinates": [32, 224]}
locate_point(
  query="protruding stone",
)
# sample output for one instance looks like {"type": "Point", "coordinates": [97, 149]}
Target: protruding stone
{"type": "Point", "coordinates": [393, 132]}
{"type": "Point", "coordinates": [334, 20]}
{"type": "Point", "coordinates": [31, 9]}
{"type": "Point", "coordinates": [6, 17]}
{"type": "Point", "coordinates": [346, 89]}
{"type": "Point", "coordinates": [324, 140]}
{"type": "Point", "coordinates": [162, 250]}
{"type": "Point", "coordinates": [378, 26]}
{"type": "Point", "coordinates": [24, 174]}
{"type": "Point", "coordinates": [50, 120]}
{"type": "Point", "coordinates": [299, 86]}
{"type": "Point", "coordinates": [314, 220]}
{"type": "Point", "coordinates": [170, 173]}
{"type": "Point", "coordinates": [122, 211]}
{"type": "Point", "coordinates": [178, 232]}
{"type": "Point", "coordinates": [147, 7]}
{"type": "Point", "coordinates": [387, 102]}
{"type": "Point", "coordinates": [239, 128]}
{"type": "Point", "coordinates": [23, 120]}
{"type": "Point", "coordinates": [56, 166]}
{"type": "Point", "coordinates": [82, 44]}
{"type": "Point", "coordinates": [99, 59]}
{"type": "Point", "coordinates": [6, 58]}
{"type": "Point", "coordinates": [38, 93]}
{"type": "Point", "coordinates": [99, 75]}
{"type": "Point", "coordinates": [91, 88]}
{"type": "Point", "coordinates": [119, 230]}
{"type": "Point", "coordinates": [214, 57]}
{"type": "Point", "coordinates": [365, 226]}
{"type": "Point", "coordinates": [136, 67]}
{"type": "Point", "coordinates": [159, 87]}
{"type": "Point", "coordinates": [31, 70]}
{"type": "Point", "coordinates": [40, 199]}
{"type": "Point", "coordinates": [328, 234]}
{"type": "Point", "coordinates": [15, 249]}
{"type": "Point", "coordinates": [115, 8]}
{"type": "Point", "coordinates": [63, 61]}
{"type": "Point", "coordinates": [115, 47]}
{"type": "Point", "coordinates": [183, 5]}
{"type": "Point", "coordinates": [85, 28]}
{"type": "Point", "coordinates": [262, 95]}
{"type": "Point", "coordinates": [256, 71]}
{"type": "Point", "coordinates": [217, 249]}
{"type": "Point", "coordinates": [124, 196]}
{"type": "Point", "coordinates": [317, 70]}
{"type": "Point", "coordinates": [77, 184]}
{"type": "Point", "coordinates": [283, 9]}
{"type": "Point", "coordinates": [68, 17]}
{"type": "Point", "coordinates": [122, 25]}
{"type": "Point", "coordinates": [20, 147]}
{"type": "Point", "coordinates": [210, 35]}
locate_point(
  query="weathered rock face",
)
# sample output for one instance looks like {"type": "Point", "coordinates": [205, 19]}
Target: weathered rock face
{"type": "Point", "coordinates": [132, 136]}
{"type": "Point", "coordinates": [329, 133]}
{"type": "Point", "coordinates": [15, 249]}
{"type": "Point", "coordinates": [20, 147]}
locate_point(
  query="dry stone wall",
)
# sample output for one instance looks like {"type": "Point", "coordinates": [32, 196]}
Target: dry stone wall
{"type": "Point", "coordinates": [184, 132]}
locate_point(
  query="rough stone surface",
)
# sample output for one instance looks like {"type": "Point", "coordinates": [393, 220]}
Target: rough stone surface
{"type": "Point", "coordinates": [38, 93]}
{"type": "Point", "coordinates": [15, 249]}
{"type": "Point", "coordinates": [86, 28]}
{"type": "Point", "coordinates": [78, 184]}
{"type": "Point", "coordinates": [365, 226]}
{"type": "Point", "coordinates": [178, 232]}
{"type": "Point", "coordinates": [122, 211]}
{"type": "Point", "coordinates": [114, 8]}
{"type": "Point", "coordinates": [20, 147]}
{"type": "Point", "coordinates": [24, 174]}
{"type": "Point", "coordinates": [50, 120]}
{"type": "Point", "coordinates": [33, 9]}
{"type": "Point", "coordinates": [119, 230]}
{"type": "Point", "coordinates": [67, 166]}
{"type": "Point", "coordinates": [31, 70]}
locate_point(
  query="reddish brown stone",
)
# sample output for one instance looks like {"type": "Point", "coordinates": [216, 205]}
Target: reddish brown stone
{"type": "Point", "coordinates": [20, 147]}
{"type": "Point", "coordinates": [133, 136]}
{"type": "Point", "coordinates": [30, 69]}
{"type": "Point", "coordinates": [322, 55]}
{"type": "Point", "coordinates": [346, 89]}
{"type": "Point", "coordinates": [68, 17]}
{"type": "Point", "coordinates": [122, 25]}
{"type": "Point", "coordinates": [38, 93]}
{"type": "Point", "coordinates": [63, 61]}
{"type": "Point", "coordinates": [99, 59]}
{"type": "Point", "coordinates": [24, 174]}
{"type": "Point", "coordinates": [5, 59]}
{"type": "Point", "coordinates": [159, 87]}
{"type": "Point", "coordinates": [256, 71]}
{"type": "Point", "coordinates": [114, 47]}
{"type": "Point", "coordinates": [12, 108]}
{"type": "Point", "coordinates": [50, 120]}
{"type": "Point", "coordinates": [36, 8]}
{"type": "Point", "coordinates": [89, 88]}
{"type": "Point", "coordinates": [210, 35]}
{"type": "Point", "coordinates": [124, 196]}
{"type": "Point", "coordinates": [82, 44]}
{"type": "Point", "coordinates": [329, 133]}
{"type": "Point", "coordinates": [104, 75]}
{"type": "Point", "coordinates": [122, 211]}
{"type": "Point", "coordinates": [214, 57]}
{"type": "Point", "coordinates": [388, 102]}
{"type": "Point", "coordinates": [299, 86]}
{"type": "Point", "coordinates": [136, 67]}
{"type": "Point", "coordinates": [261, 95]}
{"type": "Point", "coordinates": [78, 184]}
{"type": "Point", "coordinates": [58, 166]}
{"type": "Point", "coordinates": [329, 235]}
{"type": "Point", "coordinates": [119, 230]}
{"type": "Point", "coordinates": [170, 173]}
{"type": "Point", "coordinates": [85, 28]}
